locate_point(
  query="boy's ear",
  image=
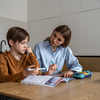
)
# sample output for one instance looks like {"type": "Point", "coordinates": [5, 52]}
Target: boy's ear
{"type": "Point", "coordinates": [11, 42]}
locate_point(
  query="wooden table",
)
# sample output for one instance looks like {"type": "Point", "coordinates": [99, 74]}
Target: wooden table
{"type": "Point", "coordinates": [78, 89]}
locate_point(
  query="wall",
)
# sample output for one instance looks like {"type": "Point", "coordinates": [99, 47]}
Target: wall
{"type": "Point", "coordinates": [14, 9]}
{"type": "Point", "coordinates": [40, 17]}
{"type": "Point", "coordinates": [12, 13]}
{"type": "Point", "coordinates": [82, 16]}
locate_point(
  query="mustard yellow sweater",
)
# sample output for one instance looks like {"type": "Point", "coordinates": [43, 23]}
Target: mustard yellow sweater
{"type": "Point", "coordinates": [12, 69]}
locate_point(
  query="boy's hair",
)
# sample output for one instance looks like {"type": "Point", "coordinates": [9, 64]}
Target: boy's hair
{"type": "Point", "coordinates": [16, 34]}
{"type": "Point", "coordinates": [66, 33]}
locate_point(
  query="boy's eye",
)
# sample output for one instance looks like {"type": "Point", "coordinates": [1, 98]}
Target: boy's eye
{"type": "Point", "coordinates": [23, 43]}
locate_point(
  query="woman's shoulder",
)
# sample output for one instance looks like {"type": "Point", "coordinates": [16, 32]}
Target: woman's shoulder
{"type": "Point", "coordinates": [41, 44]}
{"type": "Point", "coordinates": [67, 49]}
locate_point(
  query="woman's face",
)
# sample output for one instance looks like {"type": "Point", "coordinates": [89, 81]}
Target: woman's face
{"type": "Point", "coordinates": [56, 39]}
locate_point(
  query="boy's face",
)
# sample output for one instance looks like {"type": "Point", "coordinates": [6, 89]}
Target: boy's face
{"type": "Point", "coordinates": [20, 47]}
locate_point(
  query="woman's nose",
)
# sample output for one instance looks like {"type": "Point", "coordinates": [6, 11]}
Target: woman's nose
{"type": "Point", "coordinates": [55, 39]}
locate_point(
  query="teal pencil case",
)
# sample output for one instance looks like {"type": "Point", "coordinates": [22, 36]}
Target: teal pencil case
{"type": "Point", "coordinates": [82, 74]}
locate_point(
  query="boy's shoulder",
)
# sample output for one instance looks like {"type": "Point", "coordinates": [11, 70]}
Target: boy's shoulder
{"type": "Point", "coordinates": [4, 53]}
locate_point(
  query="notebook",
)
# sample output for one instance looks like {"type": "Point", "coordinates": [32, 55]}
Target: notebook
{"type": "Point", "coordinates": [44, 80]}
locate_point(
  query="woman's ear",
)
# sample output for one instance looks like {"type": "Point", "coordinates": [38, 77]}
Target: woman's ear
{"type": "Point", "coordinates": [11, 42]}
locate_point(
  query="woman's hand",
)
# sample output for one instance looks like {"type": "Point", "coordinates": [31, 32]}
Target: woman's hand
{"type": "Point", "coordinates": [33, 72]}
{"type": "Point", "coordinates": [52, 68]}
{"type": "Point", "coordinates": [68, 74]}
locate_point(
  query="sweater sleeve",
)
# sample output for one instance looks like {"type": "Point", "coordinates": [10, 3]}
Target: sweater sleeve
{"type": "Point", "coordinates": [33, 61]}
{"type": "Point", "coordinates": [4, 72]}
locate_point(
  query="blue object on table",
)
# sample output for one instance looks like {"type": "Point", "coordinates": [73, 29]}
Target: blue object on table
{"type": "Point", "coordinates": [82, 74]}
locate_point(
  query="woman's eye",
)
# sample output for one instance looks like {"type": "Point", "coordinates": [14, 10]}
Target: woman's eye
{"type": "Point", "coordinates": [55, 35]}
{"type": "Point", "coordinates": [59, 39]}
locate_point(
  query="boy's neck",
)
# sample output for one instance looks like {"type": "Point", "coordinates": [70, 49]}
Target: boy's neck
{"type": "Point", "coordinates": [16, 55]}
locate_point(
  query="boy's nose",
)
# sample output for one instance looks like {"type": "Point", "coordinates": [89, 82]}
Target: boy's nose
{"type": "Point", "coordinates": [26, 46]}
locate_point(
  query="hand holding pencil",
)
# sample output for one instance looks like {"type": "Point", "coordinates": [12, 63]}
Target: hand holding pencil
{"type": "Point", "coordinates": [52, 68]}
{"type": "Point", "coordinates": [53, 63]}
{"type": "Point", "coordinates": [32, 72]}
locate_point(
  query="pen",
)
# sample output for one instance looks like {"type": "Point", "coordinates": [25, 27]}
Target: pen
{"type": "Point", "coordinates": [34, 69]}
{"type": "Point", "coordinates": [53, 63]}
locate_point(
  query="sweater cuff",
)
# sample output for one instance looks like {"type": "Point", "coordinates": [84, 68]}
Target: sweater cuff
{"type": "Point", "coordinates": [21, 75]}
{"type": "Point", "coordinates": [31, 53]}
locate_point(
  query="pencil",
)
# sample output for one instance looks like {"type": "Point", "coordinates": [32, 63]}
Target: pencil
{"type": "Point", "coordinates": [34, 69]}
{"type": "Point", "coordinates": [53, 63]}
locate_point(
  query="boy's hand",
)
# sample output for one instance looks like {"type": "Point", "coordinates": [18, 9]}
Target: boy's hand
{"type": "Point", "coordinates": [29, 50]}
{"type": "Point", "coordinates": [33, 72]}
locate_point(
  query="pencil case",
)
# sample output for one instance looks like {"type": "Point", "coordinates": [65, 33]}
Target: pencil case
{"type": "Point", "coordinates": [82, 74]}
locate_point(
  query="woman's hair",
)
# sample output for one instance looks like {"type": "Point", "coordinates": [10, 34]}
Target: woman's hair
{"type": "Point", "coordinates": [16, 34]}
{"type": "Point", "coordinates": [66, 33]}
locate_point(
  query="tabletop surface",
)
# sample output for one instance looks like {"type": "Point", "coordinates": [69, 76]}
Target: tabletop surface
{"type": "Point", "coordinates": [78, 89]}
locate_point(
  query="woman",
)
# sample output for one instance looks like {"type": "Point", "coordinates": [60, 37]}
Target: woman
{"type": "Point", "coordinates": [54, 52]}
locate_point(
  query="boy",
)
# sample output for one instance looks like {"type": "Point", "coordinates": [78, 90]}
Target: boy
{"type": "Point", "coordinates": [13, 63]}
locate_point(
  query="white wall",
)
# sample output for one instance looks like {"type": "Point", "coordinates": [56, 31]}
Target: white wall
{"type": "Point", "coordinates": [14, 9]}
{"type": "Point", "coordinates": [40, 17]}
{"type": "Point", "coordinates": [82, 16]}
{"type": "Point", "coordinates": [12, 13]}
{"type": "Point", "coordinates": [5, 24]}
